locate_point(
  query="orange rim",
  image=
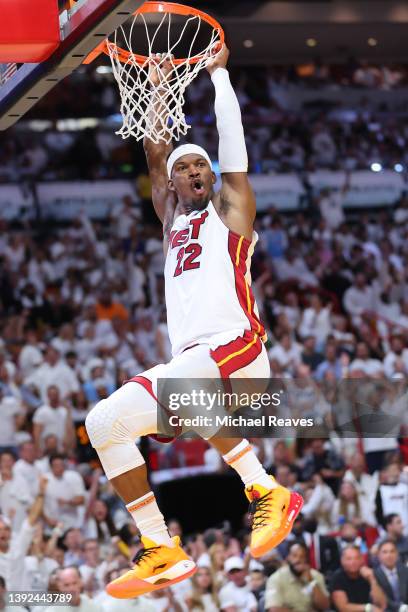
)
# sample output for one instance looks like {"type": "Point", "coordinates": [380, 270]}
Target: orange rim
{"type": "Point", "coordinates": [159, 7]}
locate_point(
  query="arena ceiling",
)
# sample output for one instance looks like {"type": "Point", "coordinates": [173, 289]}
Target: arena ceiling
{"type": "Point", "coordinates": [280, 30]}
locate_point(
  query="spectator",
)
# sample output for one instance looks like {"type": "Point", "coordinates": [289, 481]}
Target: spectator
{"type": "Point", "coordinates": [204, 595]}
{"type": "Point", "coordinates": [25, 467]}
{"type": "Point", "coordinates": [394, 528]}
{"type": "Point", "coordinates": [332, 364]}
{"type": "Point", "coordinates": [257, 580]}
{"type": "Point", "coordinates": [166, 601]}
{"type": "Point", "coordinates": [348, 507]}
{"type": "Point", "coordinates": [358, 299]}
{"type": "Point", "coordinates": [392, 496]}
{"type": "Point", "coordinates": [12, 419]}
{"type": "Point", "coordinates": [52, 418]}
{"type": "Point", "coordinates": [316, 320]}
{"type": "Point", "coordinates": [296, 586]}
{"type": "Point", "coordinates": [325, 462]}
{"type": "Point", "coordinates": [107, 309]}
{"type": "Point", "coordinates": [287, 353]}
{"type": "Point", "coordinates": [236, 594]}
{"type": "Point", "coordinates": [392, 576]}
{"type": "Point", "coordinates": [38, 567]}
{"type": "Point", "coordinates": [365, 484]}
{"type": "Point", "coordinates": [92, 569]}
{"type": "Point", "coordinates": [53, 372]}
{"type": "Point", "coordinates": [69, 582]}
{"type": "Point", "coordinates": [15, 498]}
{"type": "Point", "coordinates": [64, 496]}
{"type": "Point", "coordinates": [3, 606]}
{"type": "Point", "coordinates": [310, 356]}
{"type": "Point", "coordinates": [355, 583]}
{"type": "Point", "coordinates": [331, 206]}
{"type": "Point", "coordinates": [319, 500]}
{"type": "Point", "coordinates": [14, 547]}
{"type": "Point", "coordinates": [73, 544]}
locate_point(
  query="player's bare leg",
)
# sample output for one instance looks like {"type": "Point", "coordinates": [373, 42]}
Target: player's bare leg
{"type": "Point", "coordinates": [274, 507]}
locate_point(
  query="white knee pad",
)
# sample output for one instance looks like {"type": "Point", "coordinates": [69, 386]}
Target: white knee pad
{"type": "Point", "coordinates": [114, 424]}
{"type": "Point", "coordinates": [128, 413]}
{"type": "Point", "coordinates": [99, 423]}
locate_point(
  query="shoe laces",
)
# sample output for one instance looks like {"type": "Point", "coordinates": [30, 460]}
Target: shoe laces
{"type": "Point", "coordinates": [265, 509]}
{"type": "Point", "coordinates": [144, 554]}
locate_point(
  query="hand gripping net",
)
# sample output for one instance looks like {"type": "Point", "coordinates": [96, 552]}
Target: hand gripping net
{"type": "Point", "coordinates": [149, 109]}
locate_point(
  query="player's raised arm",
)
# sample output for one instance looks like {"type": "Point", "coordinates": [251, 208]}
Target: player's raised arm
{"type": "Point", "coordinates": [157, 153]}
{"type": "Point", "coordinates": [236, 190]}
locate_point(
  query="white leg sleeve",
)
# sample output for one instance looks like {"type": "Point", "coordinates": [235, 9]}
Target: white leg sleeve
{"type": "Point", "coordinates": [114, 424]}
{"type": "Point", "coordinates": [232, 153]}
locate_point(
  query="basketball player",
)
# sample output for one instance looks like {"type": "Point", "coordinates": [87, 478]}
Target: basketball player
{"type": "Point", "coordinates": [214, 330]}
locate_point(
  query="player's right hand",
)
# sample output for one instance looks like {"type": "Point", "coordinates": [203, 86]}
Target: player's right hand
{"type": "Point", "coordinates": [160, 67]}
{"type": "Point", "coordinates": [219, 61]}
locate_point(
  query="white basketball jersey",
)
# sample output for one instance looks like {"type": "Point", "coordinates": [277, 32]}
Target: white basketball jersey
{"type": "Point", "coordinates": [207, 277]}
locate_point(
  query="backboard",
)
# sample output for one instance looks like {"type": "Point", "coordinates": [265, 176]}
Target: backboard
{"type": "Point", "coordinates": [83, 25]}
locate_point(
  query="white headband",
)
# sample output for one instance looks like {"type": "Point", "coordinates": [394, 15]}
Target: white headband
{"type": "Point", "coordinates": [186, 149]}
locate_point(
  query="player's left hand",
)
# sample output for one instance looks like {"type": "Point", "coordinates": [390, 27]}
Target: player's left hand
{"type": "Point", "coordinates": [219, 61]}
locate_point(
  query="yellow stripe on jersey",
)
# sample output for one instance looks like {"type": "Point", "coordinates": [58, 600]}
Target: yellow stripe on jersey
{"type": "Point", "coordinates": [248, 297]}
{"type": "Point", "coordinates": [243, 350]}
{"type": "Point", "coordinates": [238, 251]}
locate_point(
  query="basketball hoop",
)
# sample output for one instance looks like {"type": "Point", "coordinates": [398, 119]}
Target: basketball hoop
{"type": "Point", "coordinates": [147, 108]}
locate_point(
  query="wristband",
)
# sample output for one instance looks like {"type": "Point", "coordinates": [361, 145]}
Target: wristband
{"type": "Point", "coordinates": [368, 607]}
{"type": "Point", "coordinates": [309, 588]}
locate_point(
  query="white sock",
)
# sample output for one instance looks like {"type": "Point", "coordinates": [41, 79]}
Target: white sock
{"type": "Point", "coordinates": [244, 461]}
{"type": "Point", "coordinates": [149, 520]}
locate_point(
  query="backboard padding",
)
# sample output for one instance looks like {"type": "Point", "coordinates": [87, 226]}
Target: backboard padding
{"type": "Point", "coordinates": [91, 23]}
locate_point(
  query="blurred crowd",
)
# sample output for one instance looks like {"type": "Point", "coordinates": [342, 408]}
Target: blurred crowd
{"type": "Point", "coordinates": [336, 135]}
{"type": "Point", "coordinates": [82, 311]}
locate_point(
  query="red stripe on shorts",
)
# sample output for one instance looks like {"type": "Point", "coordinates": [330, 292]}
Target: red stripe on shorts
{"type": "Point", "coordinates": [147, 384]}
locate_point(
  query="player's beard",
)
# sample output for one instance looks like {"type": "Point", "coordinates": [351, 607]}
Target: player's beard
{"type": "Point", "coordinates": [197, 203]}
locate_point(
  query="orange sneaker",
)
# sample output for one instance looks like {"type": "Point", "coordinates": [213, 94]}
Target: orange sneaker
{"type": "Point", "coordinates": [274, 512]}
{"type": "Point", "coordinates": [156, 567]}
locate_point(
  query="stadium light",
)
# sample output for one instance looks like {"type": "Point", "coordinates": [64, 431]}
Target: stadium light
{"type": "Point", "coordinates": [376, 167]}
{"type": "Point", "coordinates": [311, 42]}
{"type": "Point", "coordinates": [372, 42]}
{"type": "Point", "coordinates": [104, 69]}
{"type": "Point", "coordinates": [399, 168]}
{"type": "Point", "coordinates": [248, 43]}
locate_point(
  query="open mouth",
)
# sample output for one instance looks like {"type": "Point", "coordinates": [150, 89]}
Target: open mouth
{"type": "Point", "coordinates": [198, 187]}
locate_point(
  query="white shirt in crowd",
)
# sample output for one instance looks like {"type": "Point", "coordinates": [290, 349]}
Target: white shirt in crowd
{"type": "Point", "coordinates": [366, 485]}
{"type": "Point", "coordinates": [96, 573]}
{"type": "Point", "coordinates": [60, 375]}
{"type": "Point", "coordinates": [68, 486]}
{"type": "Point", "coordinates": [53, 420]}
{"type": "Point", "coordinates": [239, 597]}
{"type": "Point", "coordinates": [106, 603]}
{"type": "Point", "coordinates": [331, 209]}
{"type": "Point", "coordinates": [30, 473]}
{"type": "Point", "coordinates": [12, 562]}
{"type": "Point", "coordinates": [316, 324]}
{"type": "Point", "coordinates": [283, 356]}
{"type": "Point", "coordinates": [29, 359]}
{"type": "Point", "coordinates": [37, 572]}
{"type": "Point", "coordinates": [394, 498]}
{"type": "Point", "coordinates": [356, 301]}
{"type": "Point", "coordinates": [10, 407]}
{"type": "Point", "coordinates": [390, 360]}
{"type": "Point", "coordinates": [15, 500]}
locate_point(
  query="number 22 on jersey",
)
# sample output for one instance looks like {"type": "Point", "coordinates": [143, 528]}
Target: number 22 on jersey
{"type": "Point", "coordinates": [187, 256]}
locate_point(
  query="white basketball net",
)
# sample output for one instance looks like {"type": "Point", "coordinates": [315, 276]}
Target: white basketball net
{"type": "Point", "coordinates": [148, 109]}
